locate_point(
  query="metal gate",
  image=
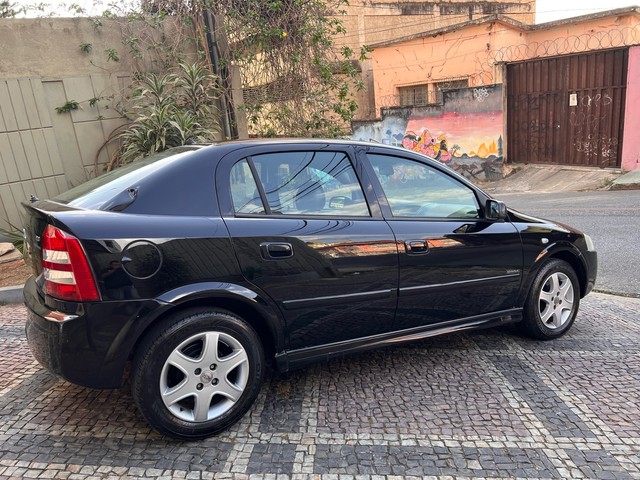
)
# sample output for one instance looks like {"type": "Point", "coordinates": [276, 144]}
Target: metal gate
{"type": "Point", "coordinates": [567, 110]}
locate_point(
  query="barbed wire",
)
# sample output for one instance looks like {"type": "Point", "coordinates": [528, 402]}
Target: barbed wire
{"type": "Point", "coordinates": [481, 71]}
{"type": "Point", "coordinates": [602, 40]}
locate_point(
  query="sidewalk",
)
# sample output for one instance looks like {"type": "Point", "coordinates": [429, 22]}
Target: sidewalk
{"type": "Point", "coordinates": [553, 178]}
{"type": "Point", "coordinates": [471, 405]}
{"type": "Point", "coordinates": [628, 181]}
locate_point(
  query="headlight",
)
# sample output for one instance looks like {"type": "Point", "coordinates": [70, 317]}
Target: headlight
{"type": "Point", "coordinates": [590, 246]}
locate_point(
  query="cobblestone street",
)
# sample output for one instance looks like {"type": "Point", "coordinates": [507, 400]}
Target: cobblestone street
{"type": "Point", "coordinates": [486, 404]}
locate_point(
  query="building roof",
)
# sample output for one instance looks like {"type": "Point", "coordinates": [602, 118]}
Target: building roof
{"type": "Point", "coordinates": [506, 20]}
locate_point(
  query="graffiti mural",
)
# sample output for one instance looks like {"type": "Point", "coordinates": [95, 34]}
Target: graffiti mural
{"type": "Point", "coordinates": [389, 131]}
{"type": "Point", "coordinates": [465, 132]}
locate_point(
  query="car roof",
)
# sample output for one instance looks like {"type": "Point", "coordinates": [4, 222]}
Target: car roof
{"type": "Point", "coordinates": [231, 145]}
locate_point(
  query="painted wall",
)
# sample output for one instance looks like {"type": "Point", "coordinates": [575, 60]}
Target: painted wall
{"type": "Point", "coordinates": [478, 50]}
{"type": "Point", "coordinates": [474, 51]}
{"type": "Point", "coordinates": [464, 133]}
{"type": "Point", "coordinates": [631, 139]}
{"type": "Point", "coordinates": [376, 21]}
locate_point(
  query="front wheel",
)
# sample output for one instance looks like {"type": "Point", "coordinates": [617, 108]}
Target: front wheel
{"type": "Point", "coordinates": [552, 303]}
{"type": "Point", "coordinates": [199, 374]}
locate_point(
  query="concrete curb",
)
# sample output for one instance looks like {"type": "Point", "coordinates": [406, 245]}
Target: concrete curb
{"type": "Point", "coordinates": [628, 181]}
{"type": "Point", "coordinates": [11, 294]}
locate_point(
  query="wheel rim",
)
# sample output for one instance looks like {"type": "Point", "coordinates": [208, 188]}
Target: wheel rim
{"type": "Point", "coordinates": [204, 376]}
{"type": "Point", "coordinates": [556, 300]}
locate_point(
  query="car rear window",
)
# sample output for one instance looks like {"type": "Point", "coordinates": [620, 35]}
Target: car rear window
{"type": "Point", "coordinates": [96, 192]}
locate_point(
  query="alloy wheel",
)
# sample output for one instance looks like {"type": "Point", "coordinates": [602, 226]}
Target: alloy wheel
{"type": "Point", "coordinates": [204, 376]}
{"type": "Point", "coordinates": [555, 301]}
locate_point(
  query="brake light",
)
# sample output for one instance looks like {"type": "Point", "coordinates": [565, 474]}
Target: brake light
{"type": "Point", "coordinates": [66, 271]}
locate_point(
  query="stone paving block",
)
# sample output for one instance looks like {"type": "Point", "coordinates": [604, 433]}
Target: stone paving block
{"type": "Point", "coordinates": [487, 404]}
{"type": "Point", "coordinates": [394, 391]}
{"type": "Point", "coordinates": [271, 458]}
{"type": "Point", "coordinates": [556, 416]}
{"type": "Point", "coordinates": [282, 408]}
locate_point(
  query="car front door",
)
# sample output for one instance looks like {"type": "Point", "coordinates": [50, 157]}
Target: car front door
{"type": "Point", "coordinates": [304, 233]}
{"type": "Point", "coordinates": [454, 263]}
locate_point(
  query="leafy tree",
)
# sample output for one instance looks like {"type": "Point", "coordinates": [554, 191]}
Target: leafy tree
{"type": "Point", "coordinates": [295, 79]}
{"type": "Point", "coordinates": [7, 9]}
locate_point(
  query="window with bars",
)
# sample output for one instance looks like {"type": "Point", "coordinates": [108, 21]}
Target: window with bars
{"type": "Point", "coordinates": [440, 87]}
{"type": "Point", "coordinates": [413, 96]}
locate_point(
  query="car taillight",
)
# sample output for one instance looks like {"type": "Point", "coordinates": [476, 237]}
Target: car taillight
{"type": "Point", "coordinates": [67, 275]}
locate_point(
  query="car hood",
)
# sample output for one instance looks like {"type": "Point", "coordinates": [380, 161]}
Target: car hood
{"type": "Point", "coordinates": [518, 217]}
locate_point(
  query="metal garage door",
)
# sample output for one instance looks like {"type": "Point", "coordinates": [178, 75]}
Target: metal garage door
{"type": "Point", "coordinates": [567, 110]}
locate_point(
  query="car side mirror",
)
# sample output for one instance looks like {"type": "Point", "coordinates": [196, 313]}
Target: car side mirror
{"type": "Point", "coordinates": [495, 210]}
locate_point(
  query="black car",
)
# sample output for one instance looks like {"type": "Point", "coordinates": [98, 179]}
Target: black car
{"type": "Point", "coordinates": [202, 266]}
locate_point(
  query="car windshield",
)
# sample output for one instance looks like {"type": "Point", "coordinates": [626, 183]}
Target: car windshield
{"type": "Point", "coordinates": [98, 191]}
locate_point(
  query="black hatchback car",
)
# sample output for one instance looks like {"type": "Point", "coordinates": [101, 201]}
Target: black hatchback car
{"type": "Point", "coordinates": [202, 266]}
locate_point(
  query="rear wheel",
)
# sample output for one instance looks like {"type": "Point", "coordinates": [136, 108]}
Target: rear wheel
{"type": "Point", "coordinates": [553, 301]}
{"type": "Point", "coordinates": [199, 374]}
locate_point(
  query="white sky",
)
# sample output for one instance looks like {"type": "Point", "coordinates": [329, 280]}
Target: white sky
{"type": "Point", "coordinates": [549, 10]}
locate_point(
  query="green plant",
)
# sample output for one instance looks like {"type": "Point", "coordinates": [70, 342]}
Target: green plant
{"type": "Point", "coordinates": [169, 110]}
{"type": "Point", "coordinates": [68, 106]}
{"type": "Point", "coordinates": [76, 9]}
{"type": "Point", "coordinates": [607, 183]}
{"type": "Point", "coordinates": [112, 54]}
{"type": "Point", "coordinates": [297, 82]}
{"type": "Point", "coordinates": [7, 9]}
{"type": "Point", "coordinates": [85, 47]}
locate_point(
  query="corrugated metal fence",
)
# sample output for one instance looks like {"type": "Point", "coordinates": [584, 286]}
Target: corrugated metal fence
{"type": "Point", "coordinates": [567, 110]}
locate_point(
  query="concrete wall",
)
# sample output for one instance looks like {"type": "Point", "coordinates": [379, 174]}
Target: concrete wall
{"type": "Point", "coordinates": [465, 132]}
{"type": "Point", "coordinates": [377, 21]}
{"type": "Point", "coordinates": [43, 152]}
{"type": "Point", "coordinates": [42, 67]}
{"type": "Point", "coordinates": [453, 55]}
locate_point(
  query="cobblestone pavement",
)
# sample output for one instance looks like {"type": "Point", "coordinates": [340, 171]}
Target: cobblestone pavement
{"type": "Point", "coordinates": [486, 404]}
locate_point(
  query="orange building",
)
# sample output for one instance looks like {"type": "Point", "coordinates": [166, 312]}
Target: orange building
{"type": "Point", "coordinates": [369, 22]}
{"type": "Point", "coordinates": [482, 90]}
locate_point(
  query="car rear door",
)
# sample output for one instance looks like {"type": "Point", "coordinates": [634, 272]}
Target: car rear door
{"type": "Point", "coordinates": [305, 233]}
{"type": "Point", "coordinates": [454, 264]}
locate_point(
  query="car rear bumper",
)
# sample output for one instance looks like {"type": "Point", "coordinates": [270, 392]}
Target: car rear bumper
{"type": "Point", "coordinates": [90, 347]}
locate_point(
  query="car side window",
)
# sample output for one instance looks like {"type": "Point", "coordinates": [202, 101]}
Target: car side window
{"type": "Point", "coordinates": [302, 183]}
{"type": "Point", "coordinates": [414, 189]}
{"type": "Point", "coordinates": [244, 191]}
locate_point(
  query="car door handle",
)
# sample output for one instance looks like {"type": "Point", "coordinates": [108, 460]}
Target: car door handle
{"type": "Point", "coordinates": [276, 250]}
{"type": "Point", "coordinates": [416, 247]}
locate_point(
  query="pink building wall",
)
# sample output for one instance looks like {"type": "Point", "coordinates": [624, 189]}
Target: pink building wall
{"type": "Point", "coordinates": [631, 139]}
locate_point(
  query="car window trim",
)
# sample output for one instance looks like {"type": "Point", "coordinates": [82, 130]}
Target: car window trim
{"type": "Point", "coordinates": [259, 186]}
{"type": "Point", "coordinates": [230, 160]}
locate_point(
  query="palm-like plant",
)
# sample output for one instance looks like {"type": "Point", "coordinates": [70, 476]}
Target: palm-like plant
{"type": "Point", "coordinates": [169, 111]}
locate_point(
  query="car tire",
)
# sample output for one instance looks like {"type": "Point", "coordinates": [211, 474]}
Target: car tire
{"type": "Point", "coordinates": [553, 301]}
{"type": "Point", "coordinates": [198, 373]}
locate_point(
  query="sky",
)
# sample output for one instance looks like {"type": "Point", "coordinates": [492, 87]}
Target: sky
{"type": "Point", "coordinates": [549, 10]}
